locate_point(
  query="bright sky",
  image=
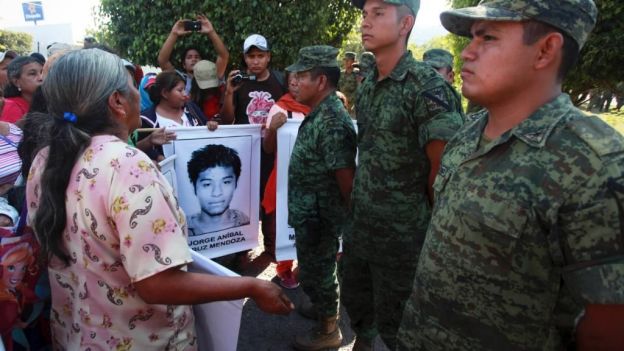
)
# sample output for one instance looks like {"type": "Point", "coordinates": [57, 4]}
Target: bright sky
{"type": "Point", "coordinates": [79, 14]}
{"type": "Point", "coordinates": [428, 21]}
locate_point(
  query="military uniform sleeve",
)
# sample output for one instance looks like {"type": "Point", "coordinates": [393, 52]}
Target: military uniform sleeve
{"type": "Point", "coordinates": [592, 234]}
{"type": "Point", "coordinates": [442, 114]}
{"type": "Point", "coordinates": [337, 145]}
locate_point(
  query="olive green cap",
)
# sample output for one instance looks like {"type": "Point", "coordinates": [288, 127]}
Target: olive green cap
{"type": "Point", "coordinates": [414, 5]}
{"type": "Point", "coordinates": [438, 58]}
{"type": "Point", "coordinates": [576, 18]}
{"type": "Point", "coordinates": [315, 56]}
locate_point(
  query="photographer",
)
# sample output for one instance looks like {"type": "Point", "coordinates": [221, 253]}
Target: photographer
{"type": "Point", "coordinates": [250, 93]}
{"type": "Point", "coordinates": [192, 55]}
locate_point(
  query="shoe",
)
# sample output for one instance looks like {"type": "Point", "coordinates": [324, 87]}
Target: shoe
{"type": "Point", "coordinates": [361, 345]}
{"type": "Point", "coordinates": [308, 310]}
{"type": "Point", "coordinates": [326, 335]}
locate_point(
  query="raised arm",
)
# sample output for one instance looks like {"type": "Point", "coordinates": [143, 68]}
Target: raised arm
{"type": "Point", "coordinates": [223, 55]}
{"type": "Point", "coordinates": [164, 56]}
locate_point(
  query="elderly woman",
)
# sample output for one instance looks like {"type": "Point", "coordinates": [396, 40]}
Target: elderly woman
{"type": "Point", "coordinates": [113, 232]}
{"type": "Point", "coordinates": [25, 76]}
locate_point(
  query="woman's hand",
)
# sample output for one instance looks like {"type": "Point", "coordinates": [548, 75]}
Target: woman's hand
{"type": "Point", "coordinates": [277, 121]}
{"type": "Point", "coordinates": [178, 29]}
{"type": "Point", "coordinates": [212, 125]}
{"type": "Point", "coordinates": [162, 136]}
{"type": "Point", "coordinates": [270, 298]}
{"type": "Point", "coordinates": [206, 26]}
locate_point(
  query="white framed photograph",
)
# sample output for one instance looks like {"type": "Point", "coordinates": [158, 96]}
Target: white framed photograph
{"type": "Point", "coordinates": [218, 186]}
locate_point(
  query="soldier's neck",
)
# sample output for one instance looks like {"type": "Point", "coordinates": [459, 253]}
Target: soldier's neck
{"type": "Point", "coordinates": [387, 58]}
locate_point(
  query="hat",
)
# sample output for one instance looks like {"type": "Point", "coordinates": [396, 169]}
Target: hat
{"type": "Point", "coordinates": [350, 55]}
{"type": "Point", "coordinates": [366, 64]}
{"type": "Point", "coordinates": [438, 58]}
{"type": "Point", "coordinates": [576, 18]}
{"type": "Point", "coordinates": [414, 5]}
{"type": "Point", "coordinates": [315, 56]}
{"type": "Point", "coordinates": [256, 40]}
{"type": "Point", "coordinates": [8, 54]}
{"type": "Point", "coordinates": [205, 74]}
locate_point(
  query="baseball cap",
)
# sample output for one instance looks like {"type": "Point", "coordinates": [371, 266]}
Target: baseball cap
{"type": "Point", "coordinates": [8, 54]}
{"type": "Point", "coordinates": [350, 55]}
{"type": "Point", "coordinates": [576, 18]}
{"type": "Point", "coordinates": [315, 56]}
{"type": "Point", "coordinates": [256, 40]}
{"type": "Point", "coordinates": [414, 5]}
{"type": "Point", "coordinates": [438, 58]}
{"type": "Point", "coordinates": [205, 74]}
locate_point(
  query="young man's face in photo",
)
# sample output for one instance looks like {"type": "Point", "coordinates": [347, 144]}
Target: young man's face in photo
{"type": "Point", "coordinates": [257, 61]}
{"type": "Point", "coordinates": [214, 189]}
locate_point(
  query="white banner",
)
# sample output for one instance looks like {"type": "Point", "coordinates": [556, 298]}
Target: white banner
{"type": "Point", "coordinates": [217, 324]}
{"type": "Point", "coordinates": [285, 234]}
{"type": "Point", "coordinates": [218, 186]}
{"type": "Point", "coordinates": [167, 168]}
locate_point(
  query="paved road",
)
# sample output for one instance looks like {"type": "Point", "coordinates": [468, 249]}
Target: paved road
{"type": "Point", "coordinates": [260, 331]}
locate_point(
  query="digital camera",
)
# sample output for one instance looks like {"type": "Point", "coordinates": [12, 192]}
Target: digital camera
{"type": "Point", "coordinates": [240, 77]}
{"type": "Point", "coordinates": [194, 26]}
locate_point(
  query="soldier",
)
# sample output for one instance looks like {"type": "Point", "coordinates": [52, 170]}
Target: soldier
{"type": "Point", "coordinates": [442, 61]}
{"type": "Point", "coordinates": [405, 113]}
{"type": "Point", "coordinates": [364, 66]}
{"type": "Point", "coordinates": [528, 220]}
{"type": "Point", "coordinates": [320, 178]}
{"type": "Point", "coordinates": [348, 80]}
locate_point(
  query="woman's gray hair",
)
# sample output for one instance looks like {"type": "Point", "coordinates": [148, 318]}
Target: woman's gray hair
{"type": "Point", "coordinates": [81, 82]}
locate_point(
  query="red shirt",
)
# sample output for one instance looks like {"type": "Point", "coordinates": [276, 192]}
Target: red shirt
{"type": "Point", "coordinates": [14, 109]}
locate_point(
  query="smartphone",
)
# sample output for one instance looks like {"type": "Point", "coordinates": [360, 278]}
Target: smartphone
{"type": "Point", "coordinates": [194, 26]}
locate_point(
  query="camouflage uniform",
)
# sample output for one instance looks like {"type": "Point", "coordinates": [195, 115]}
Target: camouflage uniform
{"type": "Point", "coordinates": [326, 142]}
{"type": "Point", "coordinates": [366, 64]}
{"type": "Point", "coordinates": [348, 83]}
{"type": "Point", "coordinates": [526, 228]}
{"type": "Point", "coordinates": [396, 117]}
{"type": "Point", "coordinates": [440, 58]}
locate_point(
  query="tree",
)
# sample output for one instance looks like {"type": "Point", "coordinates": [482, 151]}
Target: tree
{"type": "Point", "coordinates": [599, 61]}
{"type": "Point", "coordinates": [16, 41]}
{"type": "Point", "coordinates": [139, 28]}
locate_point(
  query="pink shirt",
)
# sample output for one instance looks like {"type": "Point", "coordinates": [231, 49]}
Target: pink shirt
{"type": "Point", "coordinates": [123, 225]}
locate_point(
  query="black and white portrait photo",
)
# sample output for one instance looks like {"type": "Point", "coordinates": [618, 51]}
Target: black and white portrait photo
{"type": "Point", "coordinates": [218, 187]}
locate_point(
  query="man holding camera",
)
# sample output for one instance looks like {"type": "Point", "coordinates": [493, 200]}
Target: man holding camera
{"type": "Point", "coordinates": [192, 55]}
{"type": "Point", "coordinates": [250, 93]}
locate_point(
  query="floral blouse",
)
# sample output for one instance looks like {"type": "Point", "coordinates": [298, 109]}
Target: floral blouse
{"type": "Point", "coordinates": [123, 225]}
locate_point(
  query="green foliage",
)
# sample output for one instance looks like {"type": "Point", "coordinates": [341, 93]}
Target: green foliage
{"type": "Point", "coordinates": [16, 41]}
{"type": "Point", "coordinates": [600, 60]}
{"type": "Point", "coordinates": [139, 28]}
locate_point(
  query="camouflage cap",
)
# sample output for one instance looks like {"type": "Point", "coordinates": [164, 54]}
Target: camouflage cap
{"type": "Point", "coordinates": [576, 18]}
{"type": "Point", "coordinates": [366, 63]}
{"type": "Point", "coordinates": [350, 55]}
{"type": "Point", "coordinates": [438, 58]}
{"type": "Point", "coordinates": [315, 56]}
{"type": "Point", "coordinates": [414, 5]}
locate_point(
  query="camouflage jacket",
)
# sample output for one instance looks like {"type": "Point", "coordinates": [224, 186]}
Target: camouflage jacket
{"type": "Point", "coordinates": [326, 142]}
{"type": "Point", "coordinates": [348, 85]}
{"type": "Point", "coordinates": [396, 118]}
{"type": "Point", "coordinates": [512, 219]}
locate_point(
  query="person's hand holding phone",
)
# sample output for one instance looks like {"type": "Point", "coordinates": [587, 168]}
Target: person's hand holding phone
{"type": "Point", "coordinates": [205, 25]}
{"type": "Point", "coordinates": [179, 29]}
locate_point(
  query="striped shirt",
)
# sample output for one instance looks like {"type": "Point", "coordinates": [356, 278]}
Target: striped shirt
{"type": "Point", "coordinates": [10, 163]}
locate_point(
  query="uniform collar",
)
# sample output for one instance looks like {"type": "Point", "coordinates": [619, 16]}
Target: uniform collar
{"type": "Point", "coordinates": [536, 129]}
{"type": "Point", "coordinates": [400, 70]}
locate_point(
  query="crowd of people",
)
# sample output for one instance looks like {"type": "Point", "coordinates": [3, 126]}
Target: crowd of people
{"type": "Point", "coordinates": [496, 230]}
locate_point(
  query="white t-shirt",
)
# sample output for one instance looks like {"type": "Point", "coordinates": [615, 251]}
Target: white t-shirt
{"type": "Point", "coordinates": [165, 122]}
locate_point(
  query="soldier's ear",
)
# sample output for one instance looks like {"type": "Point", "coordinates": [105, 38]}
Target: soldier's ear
{"type": "Point", "coordinates": [549, 51]}
{"type": "Point", "coordinates": [322, 82]}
